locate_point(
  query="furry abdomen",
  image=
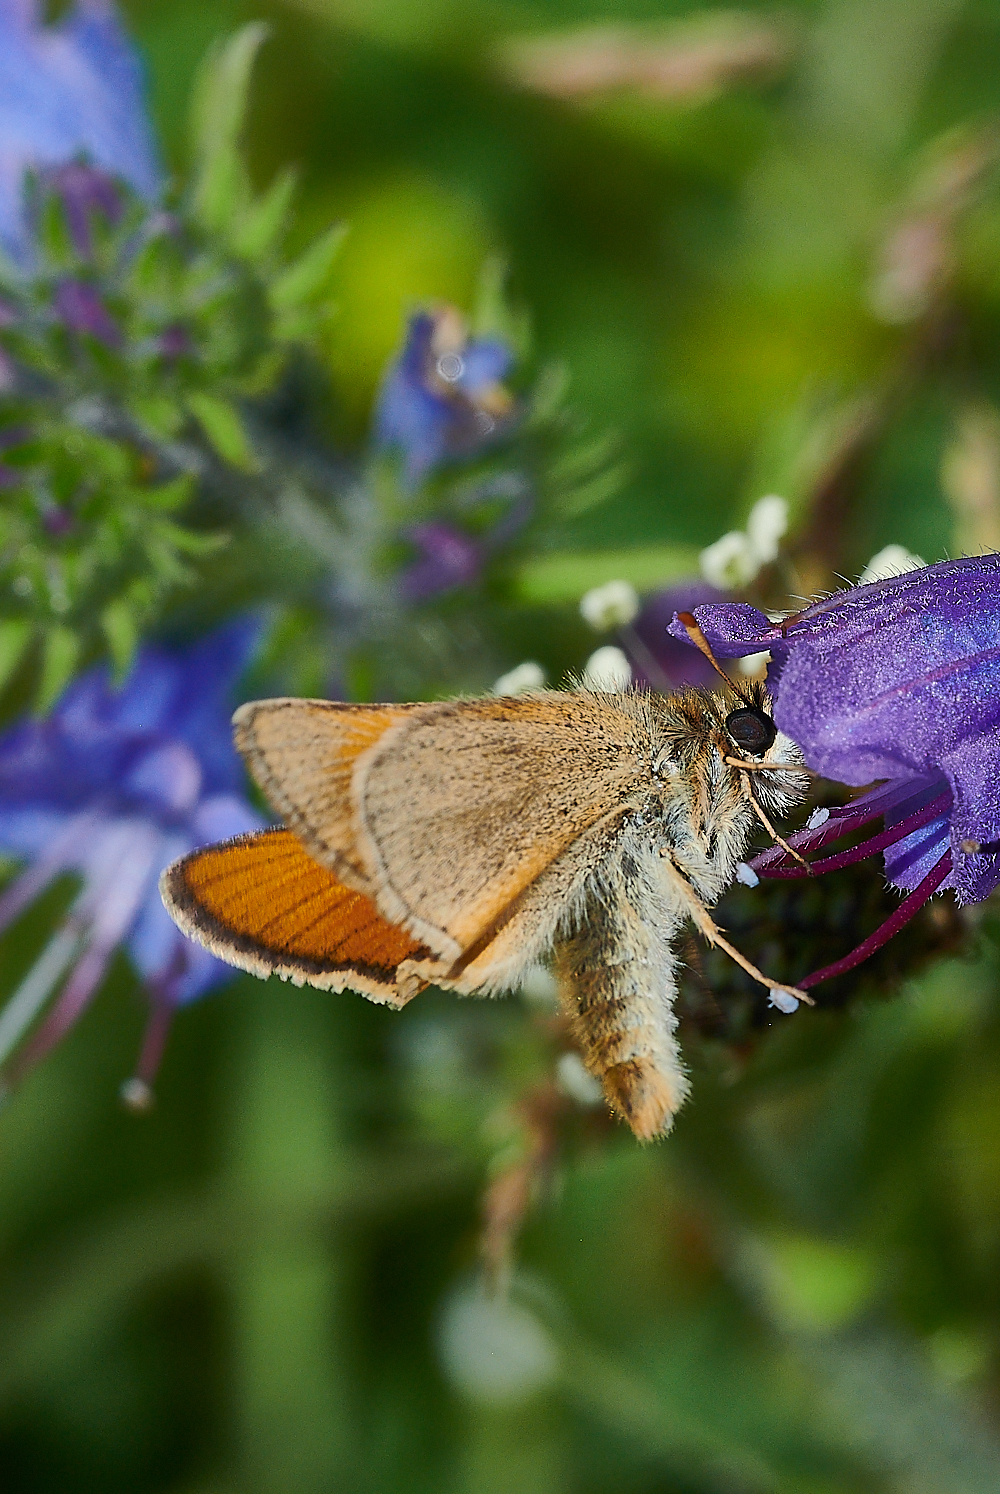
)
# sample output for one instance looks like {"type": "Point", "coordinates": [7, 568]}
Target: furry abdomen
{"type": "Point", "coordinates": [616, 974]}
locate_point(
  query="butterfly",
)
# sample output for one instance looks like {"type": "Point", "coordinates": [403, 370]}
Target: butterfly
{"type": "Point", "coordinates": [458, 843]}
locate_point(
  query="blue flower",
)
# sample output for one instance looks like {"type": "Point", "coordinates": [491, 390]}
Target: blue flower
{"type": "Point", "coordinates": [896, 682]}
{"type": "Point", "coordinates": [443, 397]}
{"type": "Point", "coordinates": [113, 786]}
{"type": "Point", "coordinates": [66, 91]}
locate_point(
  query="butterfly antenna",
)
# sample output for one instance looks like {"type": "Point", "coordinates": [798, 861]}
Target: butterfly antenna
{"type": "Point", "coordinates": [701, 643]}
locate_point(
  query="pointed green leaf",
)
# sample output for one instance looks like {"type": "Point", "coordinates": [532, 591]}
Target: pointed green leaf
{"type": "Point", "coordinates": [54, 234]}
{"type": "Point", "coordinates": [169, 495]}
{"type": "Point", "coordinates": [224, 428]}
{"type": "Point", "coordinates": [492, 313]}
{"type": "Point", "coordinates": [582, 497]}
{"type": "Point", "coordinates": [261, 226]}
{"type": "Point", "coordinates": [60, 652]}
{"type": "Point", "coordinates": [160, 415]}
{"type": "Point", "coordinates": [218, 108]}
{"type": "Point", "coordinates": [308, 274]}
{"type": "Point", "coordinates": [189, 541]}
{"type": "Point", "coordinates": [119, 624]}
{"type": "Point", "coordinates": [15, 635]}
{"type": "Point", "coordinates": [548, 394]}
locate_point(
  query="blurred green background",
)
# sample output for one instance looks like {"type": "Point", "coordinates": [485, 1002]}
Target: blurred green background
{"type": "Point", "coordinates": [784, 281]}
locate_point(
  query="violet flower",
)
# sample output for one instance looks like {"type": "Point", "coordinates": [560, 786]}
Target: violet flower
{"type": "Point", "coordinates": [85, 192]}
{"type": "Point", "coordinates": [447, 558]}
{"type": "Point", "coordinates": [113, 786]}
{"type": "Point", "coordinates": [81, 310]}
{"type": "Point", "coordinates": [895, 682]}
{"type": "Point", "coordinates": [443, 397]}
{"type": "Point", "coordinates": [658, 660]}
{"type": "Point", "coordinates": [67, 91]}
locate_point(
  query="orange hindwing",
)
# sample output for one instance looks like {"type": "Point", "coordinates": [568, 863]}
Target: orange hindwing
{"type": "Point", "coordinates": [262, 903]}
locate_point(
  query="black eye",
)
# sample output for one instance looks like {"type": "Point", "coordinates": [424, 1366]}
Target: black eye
{"type": "Point", "coordinates": [751, 730]}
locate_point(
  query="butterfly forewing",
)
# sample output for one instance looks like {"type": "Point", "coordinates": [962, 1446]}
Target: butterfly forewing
{"type": "Point", "coordinates": [303, 754]}
{"type": "Point", "coordinates": [463, 805]}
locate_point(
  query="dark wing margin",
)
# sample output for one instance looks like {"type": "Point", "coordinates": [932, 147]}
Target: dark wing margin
{"type": "Point", "coordinates": [260, 902]}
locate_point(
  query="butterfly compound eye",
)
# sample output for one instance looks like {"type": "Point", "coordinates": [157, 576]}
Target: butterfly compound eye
{"type": "Point", "coordinates": [751, 730]}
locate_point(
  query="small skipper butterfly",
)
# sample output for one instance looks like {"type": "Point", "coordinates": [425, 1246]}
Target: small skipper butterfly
{"type": "Point", "coordinates": [457, 843]}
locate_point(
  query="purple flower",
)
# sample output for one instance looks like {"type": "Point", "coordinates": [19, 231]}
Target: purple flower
{"type": "Point", "coordinates": [113, 786]}
{"type": "Point", "coordinates": [443, 397]}
{"type": "Point", "coordinates": [897, 681]}
{"type": "Point", "coordinates": [658, 660]}
{"type": "Point", "coordinates": [448, 558]}
{"type": "Point", "coordinates": [70, 90]}
{"type": "Point", "coordinates": [81, 309]}
{"type": "Point", "coordinates": [85, 192]}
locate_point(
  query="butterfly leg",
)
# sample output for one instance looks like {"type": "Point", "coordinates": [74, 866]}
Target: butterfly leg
{"type": "Point", "coordinates": [712, 934]}
{"type": "Point", "coordinates": [615, 972]}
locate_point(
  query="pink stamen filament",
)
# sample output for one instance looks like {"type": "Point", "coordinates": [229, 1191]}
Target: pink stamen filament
{"type": "Point", "coordinates": [841, 821]}
{"type": "Point", "coordinates": [104, 913]}
{"type": "Point", "coordinates": [137, 1092]}
{"type": "Point", "coordinates": [60, 856]}
{"type": "Point", "coordinates": [37, 986]}
{"type": "Point", "coordinates": [913, 822]}
{"type": "Point", "coordinates": [908, 908]}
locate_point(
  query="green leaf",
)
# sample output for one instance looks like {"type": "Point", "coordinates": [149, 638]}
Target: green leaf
{"type": "Point", "coordinates": [565, 578]}
{"type": "Point", "coordinates": [598, 489]}
{"type": "Point", "coordinates": [54, 234]}
{"type": "Point", "coordinates": [492, 313]}
{"type": "Point", "coordinates": [122, 633]}
{"type": "Point", "coordinates": [169, 495]}
{"type": "Point", "coordinates": [548, 394]}
{"type": "Point", "coordinates": [309, 273]}
{"type": "Point", "coordinates": [224, 428]}
{"type": "Point", "coordinates": [60, 652]}
{"type": "Point", "coordinates": [218, 108]}
{"type": "Point", "coordinates": [15, 635]}
{"type": "Point", "coordinates": [159, 414]}
{"type": "Point", "coordinates": [189, 541]}
{"type": "Point", "coordinates": [261, 226]}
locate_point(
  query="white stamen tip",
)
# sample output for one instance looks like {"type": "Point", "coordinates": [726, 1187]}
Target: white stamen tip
{"type": "Point", "coordinates": [746, 874]}
{"type": "Point", "coordinates": [574, 1081]}
{"type": "Point", "coordinates": [729, 563]}
{"type": "Point", "coordinates": [751, 664]}
{"type": "Point", "coordinates": [614, 605]}
{"type": "Point", "coordinates": [767, 523]}
{"type": "Point", "coordinates": [893, 560]}
{"type": "Point", "coordinates": [817, 818]}
{"type": "Point", "coordinates": [136, 1095]}
{"type": "Point", "coordinates": [518, 681]}
{"type": "Point", "coordinates": [607, 669]}
{"type": "Point", "coordinates": [783, 1000]}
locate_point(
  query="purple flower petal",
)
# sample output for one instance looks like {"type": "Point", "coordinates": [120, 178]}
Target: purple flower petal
{"type": "Point", "coordinates": [732, 628]}
{"type": "Point", "coordinates": [667, 662]}
{"type": "Point", "coordinates": [439, 403]}
{"type": "Point", "coordinates": [85, 192]}
{"type": "Point", "coordinates": [81, 309]}
{"type": "Point", "coordinates": [68, 90]}
{"type": "Point", "coordinates": [114, 785]}
{"type": "Point", "coordinates": [896, 680]}
{"type": "Point", "coordinates": [485, 361]}
{"type": "Point", "coordinates": [448, 559]}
